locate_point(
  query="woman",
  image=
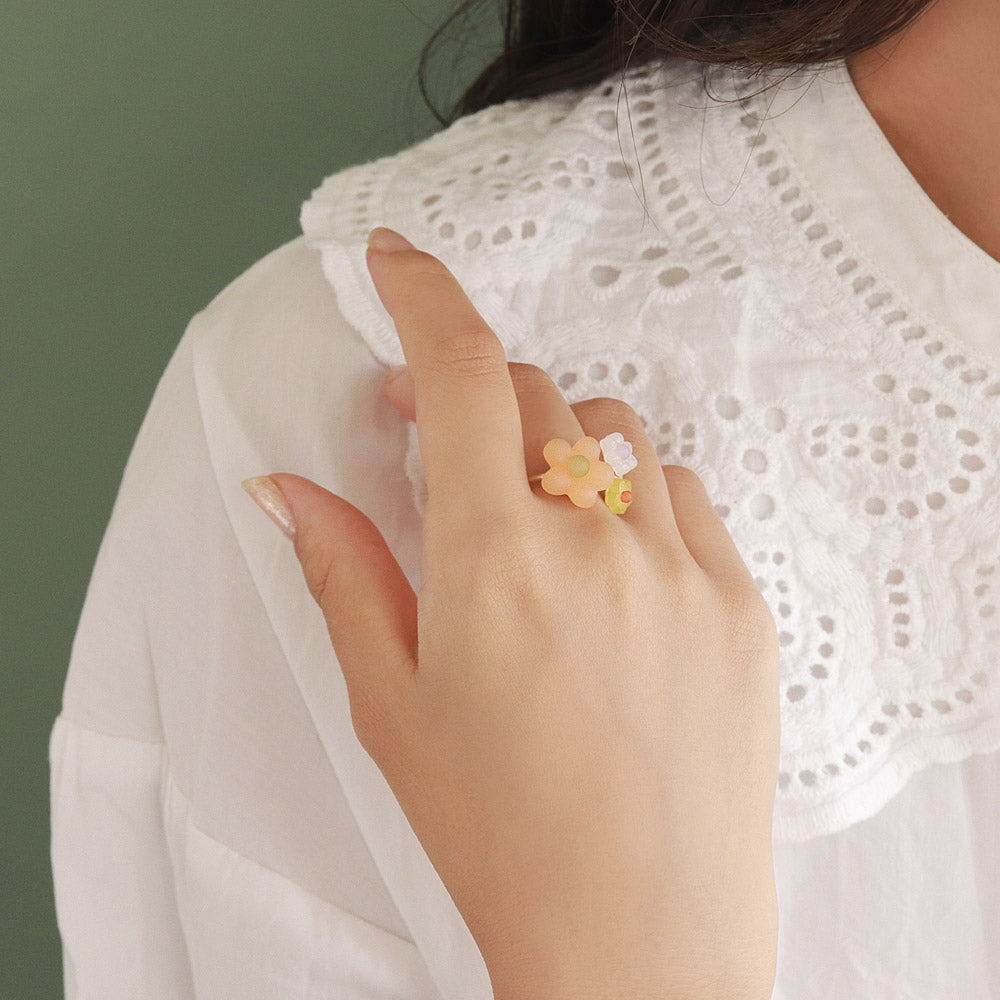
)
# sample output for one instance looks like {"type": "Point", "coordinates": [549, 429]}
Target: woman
{"type": "Point", "coordinates": [573, 785]}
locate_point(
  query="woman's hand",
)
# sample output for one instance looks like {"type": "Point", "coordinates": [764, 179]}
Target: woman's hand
{"type": "Point", "coordinates": [579, 714]}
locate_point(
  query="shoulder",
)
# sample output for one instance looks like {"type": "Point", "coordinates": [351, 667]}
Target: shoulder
{"type": "Point", "coordinates": [284, 382]}
{"type": "Point", "coordinates": [276, 338]}
{"type": "Point", "coordinates": [279, 304]}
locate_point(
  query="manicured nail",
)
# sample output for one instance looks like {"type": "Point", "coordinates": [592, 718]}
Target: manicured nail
{"type": "Point", "coordinates": [383, 240]}
{"type": "Point", "coordinates": [265, 493]}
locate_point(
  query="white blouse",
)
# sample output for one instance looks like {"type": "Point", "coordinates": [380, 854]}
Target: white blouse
{"type": "Point", "coordinates": [800, 325]}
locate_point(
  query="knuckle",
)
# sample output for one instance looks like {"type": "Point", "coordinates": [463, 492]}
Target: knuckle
{"type": "Point", "coordinates": [684, 484]}
{"type": "Point", "coordinates": [511, 570]}
{"type": "Point", "coordinates": [510, 548]}
{"type": "Point", "coordinates": [469, 352]}
{"type": "Point", "coordinates": [609, 411]}
{"type": "Point", "coordinates": [379, 707]}
{"type": "Point", "coordinates": [690, 586]}
{"type": "Point", "coordinates": [521, 371]}
{"type": "Point", "coordinates": [529, 379]}
{"type": "Point", "coordinates": [684, 477]}
{"type": "Point", "coordinates": [751, 625]}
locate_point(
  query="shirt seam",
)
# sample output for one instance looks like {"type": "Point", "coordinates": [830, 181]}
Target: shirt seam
{"type": "Point", "coordinates": [67, 719]}
{"type": "Point", "coordinates": [189, 820]}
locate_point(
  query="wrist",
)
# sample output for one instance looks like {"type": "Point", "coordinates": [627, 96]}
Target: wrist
{"type": "Point", "coordinates": [640, 955]}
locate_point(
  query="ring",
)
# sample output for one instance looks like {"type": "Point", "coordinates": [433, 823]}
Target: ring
{"type": "Point", "coordinates": [579, 473]}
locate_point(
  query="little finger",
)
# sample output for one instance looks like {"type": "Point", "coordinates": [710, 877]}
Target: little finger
{"type": "Point", "coordinates": [703, 531]}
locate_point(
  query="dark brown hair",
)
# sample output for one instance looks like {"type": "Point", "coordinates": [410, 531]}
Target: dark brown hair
{"type": "Point", "coordinates": [552, 45]}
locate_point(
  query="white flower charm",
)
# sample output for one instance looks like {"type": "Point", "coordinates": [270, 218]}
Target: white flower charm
{"type": "Point", "coordinates": [617, 453]}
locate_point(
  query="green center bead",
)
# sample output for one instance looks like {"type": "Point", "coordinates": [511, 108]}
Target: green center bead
{"type": "Point", "coordinates": [578, 466]}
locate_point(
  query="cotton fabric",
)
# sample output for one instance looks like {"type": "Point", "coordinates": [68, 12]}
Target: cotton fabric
{"type": "Point", "coordinates": [218, 831]}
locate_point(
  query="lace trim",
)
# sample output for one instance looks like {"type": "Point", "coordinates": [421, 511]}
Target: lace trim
{"type": "Point", "coordinates": [871, 528]}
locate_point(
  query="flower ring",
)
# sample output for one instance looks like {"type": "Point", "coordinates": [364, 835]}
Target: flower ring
{"type": "Point", "coordinates": [576, 472]}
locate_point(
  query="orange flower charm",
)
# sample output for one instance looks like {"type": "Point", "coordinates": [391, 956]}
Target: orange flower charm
{"type": "Point", "coordinates": [576, 472]}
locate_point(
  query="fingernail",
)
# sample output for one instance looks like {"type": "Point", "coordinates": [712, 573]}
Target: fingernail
{"type": "Point", "coordinates": [383, 240]}
{"type": "Point", "coordinates": [264, 492]}
{"type": "Point", "coordinates": [394, 373]}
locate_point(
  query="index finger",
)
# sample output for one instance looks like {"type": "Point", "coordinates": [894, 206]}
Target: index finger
{"type": "Point", "coordinates": [468, 419]}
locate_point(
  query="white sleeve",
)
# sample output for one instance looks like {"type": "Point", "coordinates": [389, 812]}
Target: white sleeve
{"type": "Point", "coordinates": [114, 887]}
{"type": "Point", "coordinates": [217, 830]}
{"type": "Point", "coordinates": [114, 890]}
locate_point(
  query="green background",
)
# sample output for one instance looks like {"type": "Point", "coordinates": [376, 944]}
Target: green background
{"type": "Point", "coordinates": [150, 154]}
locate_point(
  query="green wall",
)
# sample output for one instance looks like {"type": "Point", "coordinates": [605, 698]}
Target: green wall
{"type": "Point", "coordinates": [150, 154]}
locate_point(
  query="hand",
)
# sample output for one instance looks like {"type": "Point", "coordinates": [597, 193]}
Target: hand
{"type": "Point", "coordinates": [579, 714]}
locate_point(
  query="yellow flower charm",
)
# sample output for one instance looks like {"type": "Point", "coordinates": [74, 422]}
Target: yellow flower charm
{"type": "Point", "coordinates": [576, 472]}
{"type": "Point", "coordinates": [619, 497]}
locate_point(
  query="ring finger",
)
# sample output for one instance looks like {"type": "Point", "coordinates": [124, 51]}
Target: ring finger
{"type": "Point", "coordinates": [545, 415]}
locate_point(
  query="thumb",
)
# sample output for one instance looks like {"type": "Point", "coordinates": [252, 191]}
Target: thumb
{"type": "Point", "coordinates": [369, 606]}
